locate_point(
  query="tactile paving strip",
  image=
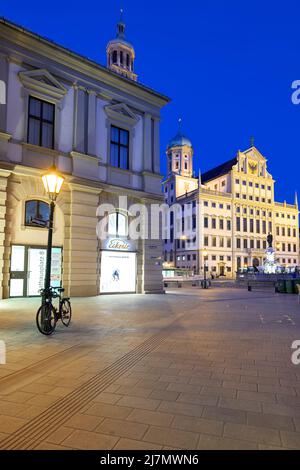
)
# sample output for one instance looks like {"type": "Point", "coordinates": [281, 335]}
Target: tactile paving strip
{"type": "Point", "coordinates": [46, 423]}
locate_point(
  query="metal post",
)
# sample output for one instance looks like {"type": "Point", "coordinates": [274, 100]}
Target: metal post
{"type": "Point", "coordinates": [49, 247]}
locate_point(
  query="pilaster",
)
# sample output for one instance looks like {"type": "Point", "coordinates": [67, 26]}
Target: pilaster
{"type": "Point", "coordinates": [81, 266]}
{"type": "Point", "coordinates": [156, 146]}
{"type": "Point", "coordinates": [79, 119]}
{"type": "Point", "coordinates": [91, 145]}
{"type": "Point", "coordinates": [147, 143]}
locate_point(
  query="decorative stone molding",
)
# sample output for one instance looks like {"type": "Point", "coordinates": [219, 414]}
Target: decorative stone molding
{"type": "Point", "coordinates": [5, 137]}
{"type": "Point", "coordinates": [84, 156]}
{"type": "Point", "coordinates": [43, 83]}
{"type": "Point", "coordinates": [120, 112]}
{"type": "Point", "coordinates": [41, 150]}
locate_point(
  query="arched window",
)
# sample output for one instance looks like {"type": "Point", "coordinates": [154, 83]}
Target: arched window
{"type": "Point", "coordinates": [36, 213]}
{"type": "Point", "coordinates": [117, 224]}
{"type": "Point", "coordinates": [115, 57]}
{"type": "Point", "coordinates": [121, 57]}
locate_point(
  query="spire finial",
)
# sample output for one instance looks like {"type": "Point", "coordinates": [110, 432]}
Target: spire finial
{"type": "Point", "coordinates": [252, 141]}
{"type": "Point", "coordinates": [121, 25]}
{"type": "Point", "coordinates": [179, 125]}
{"type": "Point", "coordinates": [296, 199]}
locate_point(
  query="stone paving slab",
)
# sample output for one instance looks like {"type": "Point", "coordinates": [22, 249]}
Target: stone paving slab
{"type": "Point", "coordinates": [220, 377]}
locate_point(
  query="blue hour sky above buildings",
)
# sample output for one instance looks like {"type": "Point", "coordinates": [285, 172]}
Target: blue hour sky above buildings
{"type": "Point", "coordinates": [227, 65]}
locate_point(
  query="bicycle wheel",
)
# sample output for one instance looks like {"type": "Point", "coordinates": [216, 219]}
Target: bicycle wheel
{"type": "Point", "coordinates": [46, 319]}
{"type": "Point", "coordinates": [66, 312]}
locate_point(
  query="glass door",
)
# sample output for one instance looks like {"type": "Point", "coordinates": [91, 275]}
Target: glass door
{"type": "Point", "coordinates": [28, 268]}
{"type": "Point", "coordinates": [17, 271]}
{"type": "Point", "coordinates": [36, 269]}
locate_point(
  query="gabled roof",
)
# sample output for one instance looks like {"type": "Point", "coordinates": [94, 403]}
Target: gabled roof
{"type": "Point", "coordinates": [218, 170]}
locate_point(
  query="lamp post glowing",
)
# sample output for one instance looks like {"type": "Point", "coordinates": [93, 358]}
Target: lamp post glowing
{"type": "Point", "coordinates": [53, 182]}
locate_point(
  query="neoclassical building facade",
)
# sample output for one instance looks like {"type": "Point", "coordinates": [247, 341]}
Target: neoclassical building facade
{"type": "Point", "coordinates": [222, 217]}
{"type": "Point", "coordinates": [100, 127]}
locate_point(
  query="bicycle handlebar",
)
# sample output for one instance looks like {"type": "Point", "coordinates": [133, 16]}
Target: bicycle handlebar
{"type": "Point", "coordinates": [51, 292]}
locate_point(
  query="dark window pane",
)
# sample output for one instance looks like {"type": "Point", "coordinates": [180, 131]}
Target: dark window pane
{"type": "Point", "coordinates": [48, 112]}
{"type": "Point", "coordinates": [47, 135]}
{"type": "Point", "coordinates": [124, 158]}
{"type": "Point", "coordinates": [124, 137]}
{"type": "Point", "coordinates": [119, 153]}
{"type": "Point", "coordinates": [114, 151]}
{"type": "Point", "coordinates": [41, 123]}
{"type": "Point", "coordinates": [36, 213]}
{"type": "Point", "coordinates": [115, 134]}
{"type": "Point", "coordinates": [34, 107]}
{"type": "Point", "coordinates": [43, 212]}
{"type": "Point", "coordinates": [30, 212]}
{"type": "Point", "coordinates": [34, 131]}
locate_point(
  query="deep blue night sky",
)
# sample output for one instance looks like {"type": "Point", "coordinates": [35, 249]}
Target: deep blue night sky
{"type": "Point", "coordinates": [227, 65]}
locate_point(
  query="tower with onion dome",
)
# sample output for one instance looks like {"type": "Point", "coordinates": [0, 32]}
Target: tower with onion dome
{"type": "Point", "coordinates": [180, 155]}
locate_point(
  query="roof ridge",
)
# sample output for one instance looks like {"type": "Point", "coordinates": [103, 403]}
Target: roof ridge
{"type": "Point", "coordinates": [218, 170]}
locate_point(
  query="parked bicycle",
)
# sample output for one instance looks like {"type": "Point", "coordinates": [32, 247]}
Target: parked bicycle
{"type": "Point", "coordinates": [48, 315]}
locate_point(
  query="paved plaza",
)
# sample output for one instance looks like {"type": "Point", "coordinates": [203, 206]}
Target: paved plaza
{"type": "Point", "coordinates": [192, 369]}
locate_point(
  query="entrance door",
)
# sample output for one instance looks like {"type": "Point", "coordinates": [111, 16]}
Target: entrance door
{"type": "Point", "coordinates": [28, 267]}
{"type": "Point", "coordinates": [222, 270]}
{"type": "Point", "coordinates": [17, 271]}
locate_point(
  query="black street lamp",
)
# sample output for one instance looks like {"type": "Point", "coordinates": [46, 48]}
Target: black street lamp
{"type": "Point", "coordinates": [53, 182]}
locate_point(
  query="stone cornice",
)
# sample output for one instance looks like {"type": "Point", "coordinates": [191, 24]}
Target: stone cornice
{"type": "Point", "coordinates": [90, 185]}
{"type": "Point", "coordinates": [58, 54]}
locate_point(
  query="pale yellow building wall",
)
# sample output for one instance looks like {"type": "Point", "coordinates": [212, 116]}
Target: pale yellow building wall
{"type": "Point", "coordinates": [252, 197]}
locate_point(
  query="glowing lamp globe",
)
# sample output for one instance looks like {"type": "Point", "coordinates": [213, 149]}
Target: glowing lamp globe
{"type": "Point", "coordinates": [53, 182]}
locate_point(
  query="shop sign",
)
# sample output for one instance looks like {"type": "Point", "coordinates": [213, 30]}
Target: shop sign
{"type": "Point", "coordinates": [118, 244]}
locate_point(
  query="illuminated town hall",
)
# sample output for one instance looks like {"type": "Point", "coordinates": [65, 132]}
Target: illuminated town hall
{"type": "Point", "coordinates": [226, 213]}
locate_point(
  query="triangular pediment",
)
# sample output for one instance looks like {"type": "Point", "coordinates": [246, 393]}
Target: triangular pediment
{"type": "Point", "coordinates": [253, 162]}
{"type": "Point", "coordinates": [42, 81]}
{"type": "Point", "coordinates": [122, 112]}
{"type": "Point", "coordinates": [254, 153]}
